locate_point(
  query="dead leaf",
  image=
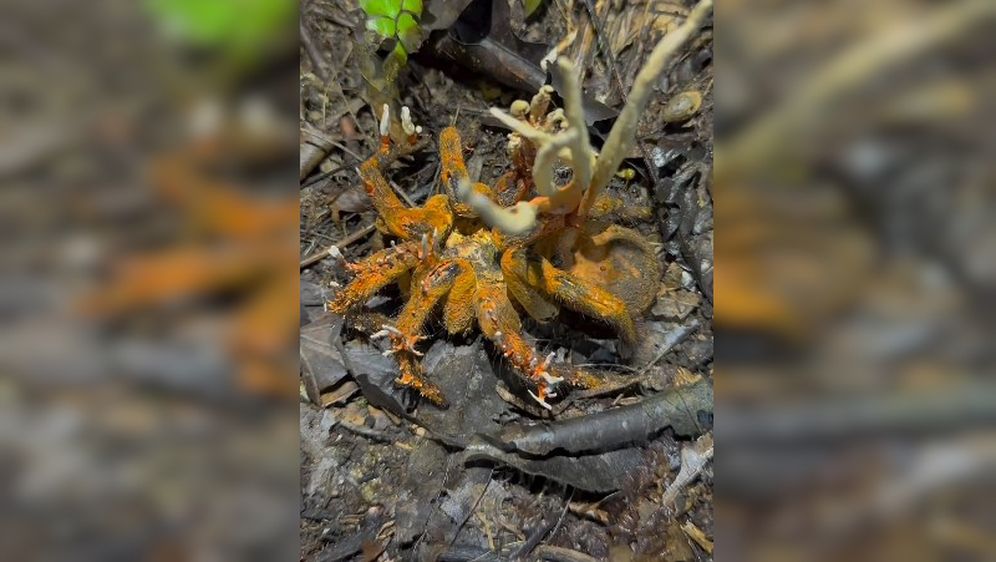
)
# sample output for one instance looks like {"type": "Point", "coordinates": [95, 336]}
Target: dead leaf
{"type": "Point", "coordinates": [340, 394]}
{"type": "Point", "coordinates": [694, 459]}
{"type": "Point", "coordinates": [676, 304]}
{"type": "Point", "coordinates": [319, 357]}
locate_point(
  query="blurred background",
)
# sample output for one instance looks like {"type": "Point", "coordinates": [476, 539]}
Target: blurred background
{"type": "Point", "coordinates": [148, 301]}
{"type": "Point", "coordinates": [855, 267]}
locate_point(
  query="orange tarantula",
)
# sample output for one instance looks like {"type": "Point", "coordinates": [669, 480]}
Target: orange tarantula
{"type": "Point", "coordinates": [483, 253]}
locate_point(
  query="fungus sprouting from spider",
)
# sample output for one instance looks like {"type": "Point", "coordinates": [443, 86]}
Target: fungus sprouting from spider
{"type": "Point", "coordinates": [484, 253]}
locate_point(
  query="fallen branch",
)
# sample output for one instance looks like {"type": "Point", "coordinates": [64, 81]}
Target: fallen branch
{"type": "Point", "coordinates": [610, 429]}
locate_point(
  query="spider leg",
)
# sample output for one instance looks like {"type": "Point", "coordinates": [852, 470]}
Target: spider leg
{"type": "Point", "coordinates": [514, 269]}
{"type": "Point", "coordinates": [405, 336]}
{"type": "Point", "coordinates": [458, 312]}
{"type": "Point", "coordinates": [398, 219]}
{"type": "Point", "coordinates": [582, 296]}
{"type": "Point", "coordinates": [374, 273]}
{"type": "Point", "coordinates": [454, 171]}
{"type": "Point", "coordinates": [500, 324]}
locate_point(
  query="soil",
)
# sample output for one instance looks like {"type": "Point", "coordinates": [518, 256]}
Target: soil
{"type": "Point", "coordinates": [378, 482]}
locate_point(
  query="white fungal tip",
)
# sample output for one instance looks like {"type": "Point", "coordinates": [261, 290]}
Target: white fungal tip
{"type": "Point", "coordinates": [380, 334]}
{"type": "Point", "coordinates": [550, 379]}
{"type": "Point", "coordinates": [546, 362]}
{"type": "Point", "coordinates": [539, 400]}
{"type": "Point", "coordinates": [385, 120]}
{"type": "Point", "coordinates": [406, 121]}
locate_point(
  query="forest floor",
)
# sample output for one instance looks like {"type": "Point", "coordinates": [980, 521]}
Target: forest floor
{"type": "Point", "coordinates": [377, 482]}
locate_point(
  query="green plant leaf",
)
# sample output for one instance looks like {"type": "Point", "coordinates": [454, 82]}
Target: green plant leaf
{"type": "Point", "coordinates": [409, 33]}
{"type": "Point", "coordinates": [531, 6]}
{"type": "Point", "coordinates": [383, 26]}
{"type": "Point", "coordinates": [398, 20]}
{"type": "Point", "coordinates": [400, 53]}
{"type": "Point", "coordinates": [386, 8]}
{"type": "Point", "coordinates": [413, 6]}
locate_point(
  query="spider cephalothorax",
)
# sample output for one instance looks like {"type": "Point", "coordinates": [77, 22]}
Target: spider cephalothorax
{"type": "Point", "coordinates": [527, 244]}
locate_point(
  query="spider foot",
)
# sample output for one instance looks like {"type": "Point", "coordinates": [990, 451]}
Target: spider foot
{"type": "Point", "coordinates": [400, 341]}
{"type": "Point", "coordinates": [412, 377]}
{"type": "Point", "coordinates": [542, 393]}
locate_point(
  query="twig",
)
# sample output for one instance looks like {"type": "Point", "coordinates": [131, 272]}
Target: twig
{"type": "Point", "coordinates": [401, 193]}
{"type": "Point", "coordinates": [678, 408]}
{"type": "Point", "coordinates": [671, 339]}
{"type": "Point", "coordinates": [319, 256]}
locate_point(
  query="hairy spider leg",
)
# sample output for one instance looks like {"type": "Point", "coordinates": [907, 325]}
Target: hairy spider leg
{"type": "Point", "coordinates": [405, 336]}
{"type": "Point", "coordinates": [458, 311]}
{"type": "Point", "coordinates": [580, 295]}
{"type": "Point", "coordinates": [513, 268]}
{"type": "Point", "coordinates": [500, 323]}
{"type": "Point", "coordinates": [454, 171]}
{"type": "Point", "coordinates": [399, 220]}
{"type": "Point", "coordinates": [374, 273]}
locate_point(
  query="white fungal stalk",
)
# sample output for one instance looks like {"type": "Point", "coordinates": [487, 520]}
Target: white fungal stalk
{"type": "Point", "coordinates": [516, 220]}
{"type": "Point", "coordinates": [622, 136]}
{"type": "Point", "coordinates": [406, 122]}
{"type": "Point", "coordinates": [562, 136]}
{"type": "Point", "coordinates": [385, 121]}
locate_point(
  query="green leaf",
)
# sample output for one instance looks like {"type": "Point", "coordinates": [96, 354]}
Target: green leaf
{"type": "Point", "coordinates": [409, 33]}
{"type": "Point", "coordinates": [531, 6]}
{"type": "Point", "coordinates": [398, 20]}
{"type": "Point", "coordinates": [400, 53]}
{"type": "Point", "coordinates": [413, 6]}
{"type": "Point", "coordinates": [386, 8]}
{"type": "Point", "coordinates": [383, 26]}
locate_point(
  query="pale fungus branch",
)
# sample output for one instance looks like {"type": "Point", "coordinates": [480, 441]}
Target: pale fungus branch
{"type": "Point", "coordinates": [561, 135]}
{"type": "Point", "coordinates": [622, 137]}
{"type": "Point", "coordinates": [521, 127]}
{"type": "Point", "coordinates": [515, 220]}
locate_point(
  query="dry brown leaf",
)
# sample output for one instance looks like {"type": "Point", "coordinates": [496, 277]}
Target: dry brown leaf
{"type": "Point", "coordinates": [676, 304]}
{"type": "Point", "coordinates": [339, 394]}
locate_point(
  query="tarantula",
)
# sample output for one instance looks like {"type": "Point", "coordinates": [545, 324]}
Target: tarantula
{"type": "Point", "coordinates": [526, 243]}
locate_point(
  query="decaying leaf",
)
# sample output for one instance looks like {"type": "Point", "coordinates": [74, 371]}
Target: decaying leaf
{"type": "Point", "coordinates": [694, 459]}
{"type": "Point", "coordinates": [676, 304]}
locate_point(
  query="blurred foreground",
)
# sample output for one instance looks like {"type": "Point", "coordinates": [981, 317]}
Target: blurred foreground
{"type": "Point", "coordinates": [149, 293]}
{"type": "Point", "coordinates": [855, 267]}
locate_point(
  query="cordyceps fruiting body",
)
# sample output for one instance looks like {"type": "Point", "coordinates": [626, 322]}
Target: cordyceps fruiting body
{"type": "Point", "coordinates": [481, 253]}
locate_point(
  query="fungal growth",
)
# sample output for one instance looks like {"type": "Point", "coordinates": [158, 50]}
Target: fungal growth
{"type": "Point", "coordinates": [481, 254]}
